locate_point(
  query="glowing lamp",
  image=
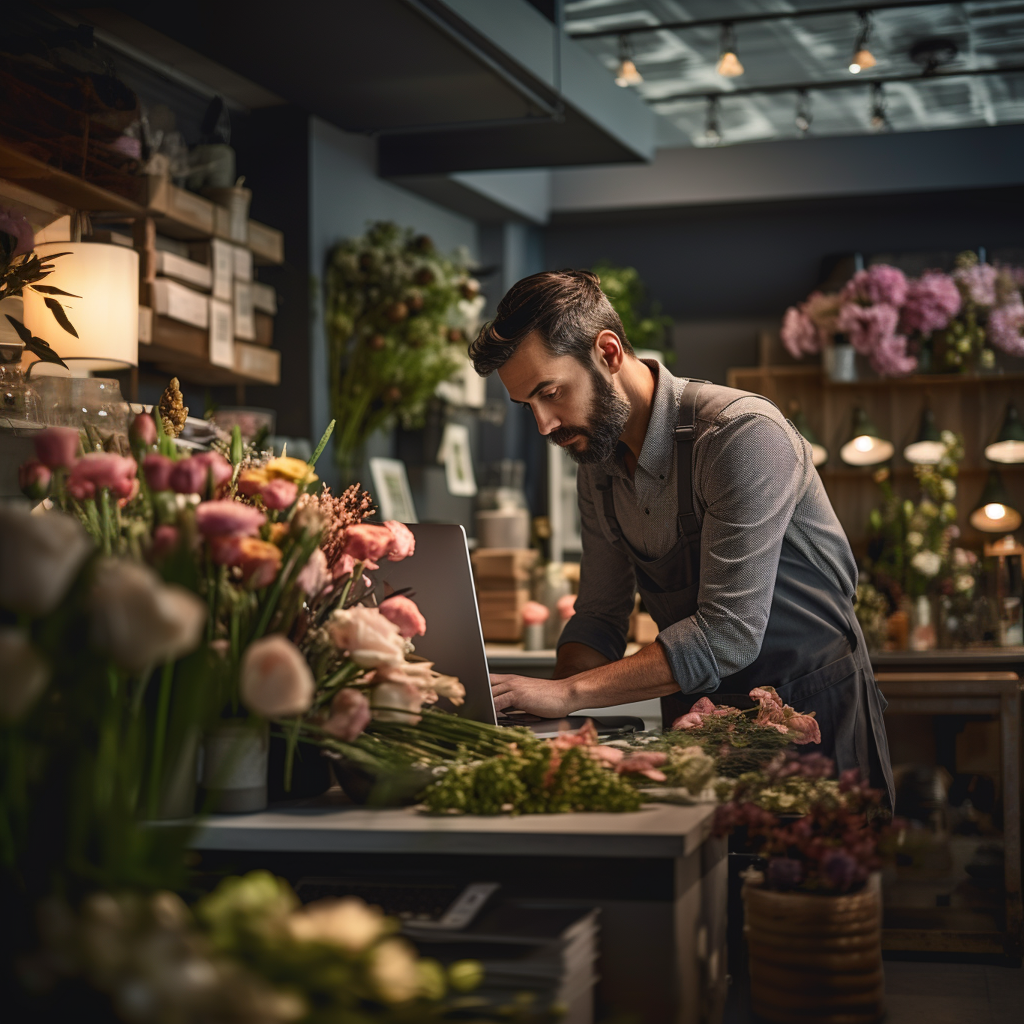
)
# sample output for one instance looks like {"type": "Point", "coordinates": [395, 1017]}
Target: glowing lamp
{"type": "Point", "coordinates": [865, 447]}
{"type": "Point", "coordinates": [928, 448]}
{"type": "Point", "coordinates": [1008, 447]}
{"type": "Point", "coordinates": [994, 513]}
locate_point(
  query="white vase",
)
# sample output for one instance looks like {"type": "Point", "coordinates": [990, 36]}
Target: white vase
{"type": "Point", "coordinates": [234, 773]}
{"type": "Point", "coordinates": [841, 362]}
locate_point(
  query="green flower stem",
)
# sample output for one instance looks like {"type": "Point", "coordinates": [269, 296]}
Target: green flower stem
{"type": "Point", "coordinates": [105, 526]}
{"type": "Point", "coordinates": [160, 737]}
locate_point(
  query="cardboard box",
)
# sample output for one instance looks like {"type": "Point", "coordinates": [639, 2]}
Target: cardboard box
{"type": "Point", "coordinates": [262, 364]}
{"type": "Point", "coordinates": [245, 325]}
{"type": "Point", "coordinates": [506, 563]}
{"type": "Point", "coordinates": [242, 263]}
{"type": "Point", "coordinates": [179, 302]}
{"type": "Point", "coordinates": [266, 243]}
{"type": "Point", "coordinates": [502, 628]}
{"type": "Point", "coordinates": [198, 275]}
{"type": "Point", "coordinates": [264, 329]}
{"type": "Point", "coordinates": [222, 339]}
{"type": "Point", "coordinates": [220, 257]}
{"type": "Point", "coordinates": [264, 298]}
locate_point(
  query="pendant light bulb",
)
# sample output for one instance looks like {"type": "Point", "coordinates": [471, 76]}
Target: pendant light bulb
{"type": "Point", "coordinates": [993, 512]}
{"type": "Point", "coordinates": [865, 447]}
{"type": "Point", "coordinates": [728, 65]}
{"type": "Point", "coordinates": [627, 74]}
{"type": "Point", "coordinates": [863, 59]}
{"type": "Point", "coordinates": [1008, 447]}
{"type": "Point", "coordinates": [927, 449]}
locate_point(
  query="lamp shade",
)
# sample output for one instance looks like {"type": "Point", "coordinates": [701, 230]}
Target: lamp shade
{"type": "Point", "coordinates": [928, 448]}
{"type": "Point", "coordinates": [1008, 447]}
{"type": "Point", "coordinates": [819, 453]}
{"type": "Point", "coordinates": [993, 512]}
{"type": "Point", "coordinates": [105, 312]}
{"type": "Point", "coordinates": [865, 447]}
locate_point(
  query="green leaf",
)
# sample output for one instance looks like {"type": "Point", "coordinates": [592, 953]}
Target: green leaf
{"type": "Point", "coordinates": [49, 289]}
{"type": "Point", "coordinates": [35, 345]}
{"type": "Point", "coordinates": [323, 444]}
{"type": "Point", "coordinates": [60, 316]}
{"type": "Point", "coordinates": [237, 448]}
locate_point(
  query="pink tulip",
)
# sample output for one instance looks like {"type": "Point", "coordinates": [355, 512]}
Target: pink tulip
{"type": "Point", "coordinates": [403, 541]}
{"type": "Point", "coordinates": [226, 517]}
{"type": "Point", "coordinates": [314, 575]}
{"type": "Point", "coordinates": [99, 470]}
{"type": "Point", "coordinates": [405, 615]}
{"type": "Point", "coordinates": [367, 542]}
{"type": "Point", "coordinates": [216, 465]}
{"type": "Point", "coordinates": [535, 613]}
{"type": "Point", "coordinates": [34, 480]}
{"type": "Point", "coordinates": [274, 678]}
{"type": "Point", "coordinates": [279, 494]}
{"type": "Point", "coordinates": [189, 476]}
{"type": "Point", "coordinates": [157, 470]}
{"type": "Point", "coordinates": [143, 430]}
{"type": "Point", "coordinates": [17, 225]}
{"type": "Point", "coordinates": [350, 715]}
{"type": "Point", "coordinates": [57, 446]}
{"type": "Point", "coordinates": [165, 540]}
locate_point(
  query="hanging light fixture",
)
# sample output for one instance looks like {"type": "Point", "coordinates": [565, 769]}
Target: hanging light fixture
{"type": "Point", "coordinates": [862, 58]}
{"type": "Point", "coordinates": [627, 74]}
{"type": "Point", "coordinates": [865, 447]}
{"type": "Point", "coordinates": [712, 133]}
{"type": "Point", "coordinates": [879, 118]}
{"type": "Point", "coordinates": [994, 513]}
{"type": "Point", "coordinates": [728, 65]}
{"type": "Point", "coordinates": [819, 453]}
{"type": "Point", "coordinates": [927, 449]}
{"type": "Point", "coordinates": [803, 111]}
{"type": "Point", "coordinates": [1008, 447]}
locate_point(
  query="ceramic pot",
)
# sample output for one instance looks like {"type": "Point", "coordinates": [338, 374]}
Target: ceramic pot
{"type": "Point", "coordinates": [815, 959]}
{"type": "Point", "coordinates": [234, 774]}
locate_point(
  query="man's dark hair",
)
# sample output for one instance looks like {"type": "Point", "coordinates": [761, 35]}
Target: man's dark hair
{"type": "Point", "coordinates": [565, 307]}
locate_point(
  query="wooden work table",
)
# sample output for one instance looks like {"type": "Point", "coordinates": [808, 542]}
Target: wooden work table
{"type": "Point", "coordinates": [658, 877]}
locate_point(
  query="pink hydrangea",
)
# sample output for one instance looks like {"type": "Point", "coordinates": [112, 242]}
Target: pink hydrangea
{"type": "Point", "coordinates": [865, 326]}
{"type": "Point", "coordinates": [978, 283]}
{"type": "Point", "coordinates": [932, 301]}
{"type": "Point", "coordinates": [798, 333]}
{"type": "Point", "coordinates": [1004, 327]}
{"type": "Point", "coordinates": [890, 357]}
{"type": "Point", "coordinates": [878, 284]}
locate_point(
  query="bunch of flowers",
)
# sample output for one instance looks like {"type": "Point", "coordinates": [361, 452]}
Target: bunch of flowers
{"type": "Point", "coordinates": [832, 849]}
{"type": "Point", "coordinates": [789, 784]}
{"type": "Point", "coordinates": [398, 318]}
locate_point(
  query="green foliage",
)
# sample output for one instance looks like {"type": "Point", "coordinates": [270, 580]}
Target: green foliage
{"type": "Point", "coordinates": [735, 742]}
{"type": "Point", "coordinates": [643, 322]}
{"type": "Point", "coordinates": [395, 330]}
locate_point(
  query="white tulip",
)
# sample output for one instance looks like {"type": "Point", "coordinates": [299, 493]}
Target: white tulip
{"type": "Point", "coordinates": [24, 676]}
{"type": "Point", "coordinates": [40, 556]}
{"type": "Point", "coordinates": [140, 620]}
{"type": "Point", "coordinates": [275, 679]}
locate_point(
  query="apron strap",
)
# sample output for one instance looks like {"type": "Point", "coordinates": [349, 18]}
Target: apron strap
{"type": "Point", "coordinates": [684, 435]}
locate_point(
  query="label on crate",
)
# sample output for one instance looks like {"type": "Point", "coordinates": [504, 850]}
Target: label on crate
{"type": "Point", "coordinates": [222, 339]}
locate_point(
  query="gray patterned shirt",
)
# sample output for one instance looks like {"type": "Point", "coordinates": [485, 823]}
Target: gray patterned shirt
{"type": "Point", "coordinates": [754, 485]}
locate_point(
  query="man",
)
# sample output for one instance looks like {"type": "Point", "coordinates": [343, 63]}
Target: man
{"type": "Point", "coordinates": [705, 499]}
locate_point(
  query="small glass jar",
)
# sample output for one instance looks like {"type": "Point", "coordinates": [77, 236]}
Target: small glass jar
{"type": "Point", "coordinates": [92, 404]}
{"type": "Point", "coordinates": [19, 400]}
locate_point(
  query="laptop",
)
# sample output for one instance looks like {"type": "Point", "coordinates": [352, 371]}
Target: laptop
{"type": "Point", "coordinates": [439, 578]}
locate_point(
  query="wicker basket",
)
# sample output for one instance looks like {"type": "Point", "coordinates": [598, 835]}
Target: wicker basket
{"type": "Point", "coordinates": [815, 959]}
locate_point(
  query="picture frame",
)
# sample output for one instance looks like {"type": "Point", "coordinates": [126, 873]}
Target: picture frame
{"type": "Point", "coordinates": [392, 493]}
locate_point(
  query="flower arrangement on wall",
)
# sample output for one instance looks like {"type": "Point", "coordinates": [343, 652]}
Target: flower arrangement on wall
{"type": "Point", "coordinates": [399, 316]}
{"type": "Point", "coordinates": [940, 322]}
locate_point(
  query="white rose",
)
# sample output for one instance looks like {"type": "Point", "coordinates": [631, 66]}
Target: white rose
{"type": "Point", "coordinates": [927, 563]}
{"type": "Point", "coordinates": [275, 680]}
{"type": "Point", "coordinates": [960, 559]}
{"type": "Point", "coordinates": [140, 620]}
{"type": "Point", "coordinates": [370, 639]}
{"type": "Point", "coordinates": [915, 539]}
{"type": "Point", "coordinates": [948, 490]}
{"type": "Point", "coordinates": [40, 556]}
{"type": "Point", "coordinates": [25, 674]}
{"type": "Point", "coordinates": [397, 702]}
{"type": "Point", "coordinates": [395, 971]}
{"type": "Point", "coordinates": [964, 583]}
{"type": "Point", "coordinates": [347, 922]}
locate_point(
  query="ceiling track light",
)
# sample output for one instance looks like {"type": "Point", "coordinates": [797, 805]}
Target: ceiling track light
{"type": "Point", "coordinates": [879, 118]}
{"type": "Point", "coordinates": [803, 117]}
{"type": "Point", "coordinates": [712, 131]}
{"type": "Point", "coordinates": [862, 58]}
{"type": "Point", "coordinates": [627, 74]}
{"type": "Point", "coordinates": [728, 65]}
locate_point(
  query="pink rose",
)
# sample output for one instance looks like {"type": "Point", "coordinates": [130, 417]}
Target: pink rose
{"type": "Point", "coordinates": [165, 540]}
{"type": "Point", "coordinates": [216, 465]}
{"type": "Point", "coordinates": [405, 615]}
{"type": "Point", "coordinates": [804, 728]}
{"type": "Point", "coordinates": [17, 226]}
{"type": "Point", "coordinates": [535, 613]}
{"type": "Point", "coordinates": [691, 720]}
{"type": "Point", "coordinates": [350, 715]}
{"type": "Point", "coordinates": [157, 470]}
{"type": "Point", "coordinates": [259, 560]}
{"type": "Point", "coordinates": [34, 480]}
{"type": "Point", "coordinates": [403, 541]}
{"type": "Point", "coordinates": [314, 575]}
{"type": "Point", "coordinates": [643, 764]}
{"type": "Point", "coordinates": [370, 639]}
{"type": "Point", "coordinates": [98, 470]}
{"type": "Point", "coordinates": [566, 606]}
{"type": "Point", "coordinates": [275, 680]}
{"type": "Point", "coordinates": [367, 542]}
{"type": "Point", "coordinates": [57, 447]}
{"type": "Point", "coordinates": [343, 566]}
{"type": "Point", "coordinates": [143, 430]}
{"type": "Point", "coordinates": [279, 494]}
{"type": "Point", "coordinates": [226, 517]}
{"type": "Point", "coordinates": [189, 476]}
{"type": "Point", "coordinates": [704, 706]}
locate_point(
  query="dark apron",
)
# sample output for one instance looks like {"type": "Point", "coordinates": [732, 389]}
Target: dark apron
{"type": "Point", "coordinates": [813, 650]}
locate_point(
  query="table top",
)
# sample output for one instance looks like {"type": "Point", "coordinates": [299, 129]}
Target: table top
{"type": "Point", "coordinates": [327, 825]}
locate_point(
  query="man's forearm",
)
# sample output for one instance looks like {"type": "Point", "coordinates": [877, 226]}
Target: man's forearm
{"type": "Point", "coordinates": [641, 676]}
{"type": "Point", "coordinates": [574, 658]}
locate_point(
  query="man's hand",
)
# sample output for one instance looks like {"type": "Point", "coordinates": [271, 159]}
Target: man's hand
{"type": "Point", "coordinates": [546, 698]}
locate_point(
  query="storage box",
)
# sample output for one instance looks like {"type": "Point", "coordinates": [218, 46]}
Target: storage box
{"type": "Point", "coordinates": [264, 298]}
{"type": "Point", "coordinates": [502, 602]}
{"type": "Point", "coordinates": [502, 628]}
{"type": "Point", "coordinates": [179, 302]}
{"type": "Point", "coordinates": [507, 563]}
{"type": "Point", "coordinates": [243, 263]}
{"type": "Point", "coordinates": [220, 257]}
{"type": "Point", "coordinates": [198, 275]}
{"type": "Point", "coordinates": [187, 213]}
{"type": "Point", "coordinates": [262, 364]}
{"type": "Point", "coordinates": [222, 339]}
{"type": "Point", "coordinates": [245, 326]}
{"type": "Point", "coordinates": [264, 329]}
{"type": "Point", "coordinates": [266, 243]}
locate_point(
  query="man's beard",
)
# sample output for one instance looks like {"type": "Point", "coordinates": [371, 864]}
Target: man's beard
{"type": "Point", "coordinates": [605, 422]}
